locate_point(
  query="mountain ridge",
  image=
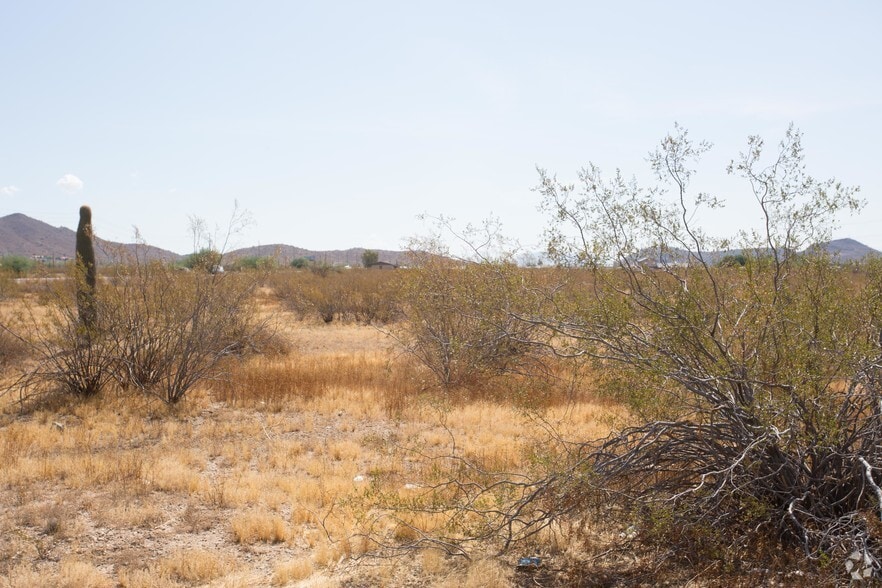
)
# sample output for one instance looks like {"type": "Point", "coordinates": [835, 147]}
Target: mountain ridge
{"type": "Point", "coordinates": [30, 237]}
{"type": "Point", "coordinates": [23, 235]}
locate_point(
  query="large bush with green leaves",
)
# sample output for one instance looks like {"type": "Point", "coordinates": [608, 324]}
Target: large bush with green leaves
{"type": "Point", "coordinates": [759, 388]}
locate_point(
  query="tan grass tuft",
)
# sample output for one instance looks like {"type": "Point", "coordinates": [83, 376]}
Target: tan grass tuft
{"type": "Point", "coordinates": [487, 573]}
{"type": "Point", "coordinates": [195, 566]}
{"type": "Point", "coordinates": [291, 571]}
{"type": "Point", "coordinates": [259, 527]}
{"type": "Point", "coordinates": [81, 574]}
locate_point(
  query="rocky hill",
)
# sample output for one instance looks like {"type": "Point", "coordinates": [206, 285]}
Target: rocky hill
{"type": "Point", "coordinates": [850, 250]}
{"type": "Point", "coordinates": [23, 235]}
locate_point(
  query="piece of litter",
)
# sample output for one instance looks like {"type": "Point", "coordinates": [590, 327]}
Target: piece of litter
{"type": "Point", "coordinates": [359, 478]}
{"type": "Point", "coordinates": [529, 562]}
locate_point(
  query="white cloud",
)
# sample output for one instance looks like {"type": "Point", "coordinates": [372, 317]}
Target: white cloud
{"type": "Point", "coordinates": [70, 183]}
{"type": "Point", "coordinates": [8, 190]}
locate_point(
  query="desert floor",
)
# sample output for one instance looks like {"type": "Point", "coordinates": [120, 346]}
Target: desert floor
{"type": "Point", "coordinates": [284, 476]}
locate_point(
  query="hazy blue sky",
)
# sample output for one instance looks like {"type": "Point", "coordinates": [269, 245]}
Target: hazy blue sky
{"type": "Point", "coordinates": [336, 123]}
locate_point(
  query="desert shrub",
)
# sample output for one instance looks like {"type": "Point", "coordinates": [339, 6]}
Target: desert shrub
{"type": "Point", "coordinates": [18, 265]}
{"type": "Point", "coordinates": [254, 262]}
{"type": "Point", "coordinates": [462, 318]}
{"type": "Point", "coordinates": [363, 296]}
{"type": "Point", "coordinates": [300, 263]}
{"type": "Point", "coordinates": [169, 329]}
{"type": "Point", "coordinates": [733, 260]}
{"type": "Point", "coordinates": [758, 388]}
{"type": "Point", "coordinates": [307, 294]}
{"type": "Point", "coordinates": [9, 286]}
{"type": "Point", "coordinates": [206, 259]}
{"type": "Point", "coordinates": [324, 269]}
{"type": "Point", "coordinates": [13, 348]}
{"type": "Point", "coordinates": [157, 329]}
{"type": "Point", "coordinates": [372, 297]}
{"type": "Point", "coordinates": [70, 357]}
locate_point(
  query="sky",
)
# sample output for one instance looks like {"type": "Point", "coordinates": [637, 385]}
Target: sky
{"type": "Point", "coordinates": [338, 124]}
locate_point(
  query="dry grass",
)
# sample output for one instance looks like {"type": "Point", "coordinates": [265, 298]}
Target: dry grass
{"type": "Point", "coordinates": [274, 383]}
{"type": "Point", "coordinates": [71, 573]}
{"type": "Point", "coordinates": [283, 464]}
{"type": "Point", "coordinates": [291, 571]}
{"type": "Point", "coordinates": [195, 566]}
{"type": "Point", "coordinates": [257, 526]}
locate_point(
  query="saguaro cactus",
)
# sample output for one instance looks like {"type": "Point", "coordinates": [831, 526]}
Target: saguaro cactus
{"type": "Point", "coordinates": [86, 271]}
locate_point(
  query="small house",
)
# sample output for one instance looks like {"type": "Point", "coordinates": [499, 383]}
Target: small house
{"type": "Point", "coordinates": [383, 265]}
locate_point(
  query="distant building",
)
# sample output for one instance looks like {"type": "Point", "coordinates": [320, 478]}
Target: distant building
{"type": "Point", "coordinates": [51, 260]}
{"type": "Point", "coordinates": [383, 265]}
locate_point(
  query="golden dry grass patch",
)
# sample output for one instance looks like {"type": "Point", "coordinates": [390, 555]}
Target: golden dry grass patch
{"type": "Point", "coordinates": [230, 478]}
{"type": "Point", "coordinates": [175, 473]}
{"type": "Point", "coordinates": [292, 571]}
{"type": "Point", "coordinates": [71, 573]}
{"type": "Point", "coordinates": [145, 578]}
{"type": "Point", "coordinates": [259, 526]}
{"type": "Point", "coordinates": [195, 566]}
{"type": "Point", "coordinates": [366, 384]}
{"type": "Point", "coordinates": [130, 515]}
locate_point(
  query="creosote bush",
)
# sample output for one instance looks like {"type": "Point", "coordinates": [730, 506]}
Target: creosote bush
{"type": "Point", "coordinates": [462, 317]}
{"type": "Point", "coordinates": [758, 386]}
{"type": "Point", "coordinates": [170, 329]}
{"type": "Point", "coordinates": [158, 329]}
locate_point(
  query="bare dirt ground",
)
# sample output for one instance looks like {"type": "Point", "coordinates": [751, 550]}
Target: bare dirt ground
{"type": "Point", "coordinates": [124, 491]}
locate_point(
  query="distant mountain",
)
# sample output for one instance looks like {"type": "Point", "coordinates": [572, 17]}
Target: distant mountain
{"type": "Point", "coordinates": [285, 254]}
{"type": "Point", "coordinates": [841, 250]}
{"type": "Point", "coordinates": [23, 235]}
{"type": "Point", "coordinates": [849, 250]}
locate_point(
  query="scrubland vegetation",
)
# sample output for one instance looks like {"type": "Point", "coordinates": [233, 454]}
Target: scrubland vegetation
{"type": "Point", "coordinates": [636, 414]}
{"type": "Point", "coordinates": [295, 460]}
